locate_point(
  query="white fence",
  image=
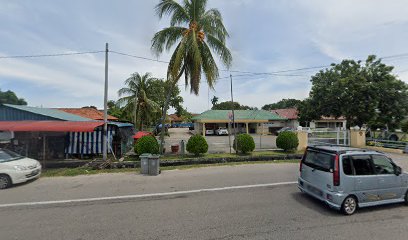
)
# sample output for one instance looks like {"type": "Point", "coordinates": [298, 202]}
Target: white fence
{"type": "Point", "coordinates": [329, 137]}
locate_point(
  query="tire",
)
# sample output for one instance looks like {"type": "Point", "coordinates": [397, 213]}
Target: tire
{"type": "Point", "coordinates": [393, 137]}
{"type": "Point", "coordinates": [406, 198]}
{"type": "Point", "coordinates": [349, 205]}
{"type": "Point", "coordinates": [5, 181]}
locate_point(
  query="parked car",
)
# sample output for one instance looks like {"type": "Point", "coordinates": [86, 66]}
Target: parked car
{"type": "Point", "coordinates": [17, 169]}
{"type": "Point", "coordinates": [347, 178]}
{"type": "Point", "coordinates": [209, 132]}
{"type": "Point", "coordinates": [221, 131]}
{"type": "Point", "coordinates": [284, 129]}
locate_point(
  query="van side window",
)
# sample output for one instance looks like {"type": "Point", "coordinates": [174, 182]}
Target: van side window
{"type": "Point", "coordinates": [347, 169]}
{"type": "Point", "coordinates": [362, 165]}
{"type": "Point", "coordinates": [382, 165]}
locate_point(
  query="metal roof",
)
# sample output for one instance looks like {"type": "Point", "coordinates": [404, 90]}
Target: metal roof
{"type": "Point", "coordinates": [48, 112]}
{"type": "Point", "coordinates": [49, 126]}
{"type": "Point", "coordinates": [239, 115]}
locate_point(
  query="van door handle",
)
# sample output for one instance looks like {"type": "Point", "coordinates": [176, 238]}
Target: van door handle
{"type": "Point", "coordinates": [382, 180]}
{"type": "Point", "coordinates": [359, 181]}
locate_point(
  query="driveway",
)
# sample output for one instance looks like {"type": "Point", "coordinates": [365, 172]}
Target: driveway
{"type": "Point", "coordinates": [218, 144]}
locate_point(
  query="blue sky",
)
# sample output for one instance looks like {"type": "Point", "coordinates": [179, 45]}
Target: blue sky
{"type": "Point", "coordinates": [266, 36]}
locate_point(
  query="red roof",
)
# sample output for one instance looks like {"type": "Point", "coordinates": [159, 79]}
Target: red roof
{"type": "Point", "coordinates": [88, 112]}
{"type": "Point", "coordinates": [289, 113]}
{"type": "Point", "coordinates": [48, 126]}
{"type": "Point", "coordinates": [175, 118]}
{"type": "Point", "coordinates": [141, 134]}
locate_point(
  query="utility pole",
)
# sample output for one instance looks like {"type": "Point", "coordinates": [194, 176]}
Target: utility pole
{"type": "Point", "coordinates": [233, 117]}
{"type": "Point", "coordinates": [105, 109]}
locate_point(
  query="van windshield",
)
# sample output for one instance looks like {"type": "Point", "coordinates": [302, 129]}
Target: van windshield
{"type": "Point", "coordinates": [319, 160]}
{"type": "Point", "coordinates": [6, 155]}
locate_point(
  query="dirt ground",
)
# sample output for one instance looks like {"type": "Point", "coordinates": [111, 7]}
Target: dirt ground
{"type": "Point", "coordinates": [217, 144]}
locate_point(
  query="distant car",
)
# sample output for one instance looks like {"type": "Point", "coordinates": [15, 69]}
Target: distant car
{"type": "Point", "coordinates": [17, 169]}
{"type": "Point", "coordinates": [221, 131]}
{"type": "Point", "coordinates": [209, 132]}
{"type": "Point", "coordinates": [285, 129]}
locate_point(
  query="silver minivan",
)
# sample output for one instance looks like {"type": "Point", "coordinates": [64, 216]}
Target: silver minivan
{"type": "Point", "coordinates": [347, 178]}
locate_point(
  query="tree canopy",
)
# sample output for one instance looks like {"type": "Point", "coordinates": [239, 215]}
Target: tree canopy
{"type": "Point", "coordinates": [228, 106]}
{"type": "Point", "coordinates": [9, 97]}
{"type": "Point", "coordinates": [363, 92]}
{"type": "Point", "coordinates": [284, 103]}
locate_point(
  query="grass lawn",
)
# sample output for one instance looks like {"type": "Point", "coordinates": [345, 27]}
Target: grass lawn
{"type": "Point", "coordinates": [70, 172]}
{"type": "Point", "coordinates": [216, 155]}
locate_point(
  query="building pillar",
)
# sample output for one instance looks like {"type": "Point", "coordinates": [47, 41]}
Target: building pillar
{"type": "Point", "coordinates": [203, 129]}
{"type": "Point", "coordinates": [247, 128]}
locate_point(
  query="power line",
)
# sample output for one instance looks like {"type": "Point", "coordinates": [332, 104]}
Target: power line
{"type": "Point", "coordinates": [50, 55]}
{"type": "Point", "coordinates": [139, 57]}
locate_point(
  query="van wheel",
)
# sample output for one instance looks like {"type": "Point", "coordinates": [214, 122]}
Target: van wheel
{"type": "Point", "coordinates": [406, 198]}
{"type": "Point", "coordinates": [5, 181]}
{"type": "Point", "coordinates": [349, 205]}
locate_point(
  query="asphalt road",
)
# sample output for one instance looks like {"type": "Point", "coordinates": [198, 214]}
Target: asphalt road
{"type": "Point", "coordinates": [273, 212]}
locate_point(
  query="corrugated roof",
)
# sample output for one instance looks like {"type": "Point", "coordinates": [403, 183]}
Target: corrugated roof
{"type": "Point", "coordinates": [49, 126]}
{"type": "Point", "coordinates": [289, 113]}
{"type": "Point", "coordinates": [239, 115]}
{"type": "Point", "coordinates": [53, 113]}
{"type": "Point", "coordinates": [87, 112]}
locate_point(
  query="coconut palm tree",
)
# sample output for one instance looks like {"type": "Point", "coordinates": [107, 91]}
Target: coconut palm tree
{"type": "Point", "coordinates": [135, 99]}
{"type": "Point", "coordinates": [196, 33]}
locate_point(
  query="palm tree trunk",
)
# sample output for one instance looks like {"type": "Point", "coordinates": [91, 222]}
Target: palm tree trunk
{"type": "Point", "coordinates": [166, 105]}
{"type": "Point", "coordinates": [136, 113]}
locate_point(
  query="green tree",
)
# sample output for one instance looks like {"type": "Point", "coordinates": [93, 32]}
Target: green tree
{"type": "Point", "coordinates": [364, 93]}
{"type": "Point", "coordinates": [9, 97]}
{"type": "Point", "coordinates": [284, 103]}
{"type": "Point", "coordinates": [136, 99]}
{"type": "Point", "coordinates": [228, 106]}
{"type": "Point", "coordinates": [158, 90]}
{"type": "Point", "coordinates": [214, 100]}
{"type": "Point", "coordinates": [196, 33]}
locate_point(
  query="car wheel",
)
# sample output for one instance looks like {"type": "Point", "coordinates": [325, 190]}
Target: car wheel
{"type": "Point", "coordinates": [406, 198]}
{"type": "Point", "coordinates": [393, 137]}
{"type": "Point", "coordinates": [5, 181]}
{"type": "Point", "coordinates": [349, 205]}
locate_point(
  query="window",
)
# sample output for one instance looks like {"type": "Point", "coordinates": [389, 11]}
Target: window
{"type": "Point", "coordinates": [347, 168]}
{"type": "Point", "coordinates": [382, 165]}
{"type": "Point", "coordinates": [362, 165]}
{"type": "Point", "coordinates": [319, 160]}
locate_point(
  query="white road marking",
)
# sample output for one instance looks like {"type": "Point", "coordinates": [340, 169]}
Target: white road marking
{"type": "Point", "coordinates": [25, 204]}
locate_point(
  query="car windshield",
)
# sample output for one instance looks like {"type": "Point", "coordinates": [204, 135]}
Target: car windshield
{"type": "Point", "coordinates": [6, 155]}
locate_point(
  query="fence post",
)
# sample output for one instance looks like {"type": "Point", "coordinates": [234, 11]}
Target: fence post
{"type": "Point", "coordinates": [303, 140]}
{"type": "Point", "coordinates": [338, 136]}
{"type": "Point", "coordinates": [357, 138]}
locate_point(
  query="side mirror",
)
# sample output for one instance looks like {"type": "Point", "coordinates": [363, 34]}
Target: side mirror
{"type": "Point", "coordinates": [398, 170]}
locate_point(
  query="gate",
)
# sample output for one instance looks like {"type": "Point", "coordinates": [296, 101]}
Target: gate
{"type": "Point", "coordinates": [329, 137]}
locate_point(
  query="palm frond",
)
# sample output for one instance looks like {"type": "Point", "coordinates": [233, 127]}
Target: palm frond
{"type": "Point", "coordinates": [210, 68]}
{"type": "Point", "coordinates": [166, 38]}
{"type": "Point", "coordinates": [220, 48]}
{"type": "Point", "coordinates": [170, 7]}
{"type": "Point", "coordinates": [211, 23]}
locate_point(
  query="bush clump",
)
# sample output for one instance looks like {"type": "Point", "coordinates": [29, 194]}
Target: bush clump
{"type": "Point", "coordinates": [404, 126]}
{"type": "Point", "coordinates": [197, 145]}
{"type": "Point", "coordinates": [147, 144]}
{"type": "Point", "coordinates": [288, 141]}
{"type": "Point", "coordinates": [245, 143]}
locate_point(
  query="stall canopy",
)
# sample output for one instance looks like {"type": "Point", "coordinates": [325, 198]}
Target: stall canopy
{"type": "Point", "coordinates": [141, 134]}
{"type": "Point", "coordinates": [49, 126]}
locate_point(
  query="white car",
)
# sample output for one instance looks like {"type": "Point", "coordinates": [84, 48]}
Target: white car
{"type": "Point", "coordinates": [17, 169]}
{"type": "Point", "coordinates": [221, 131]}
{"type": "Point", "coordinates": [209, 132]}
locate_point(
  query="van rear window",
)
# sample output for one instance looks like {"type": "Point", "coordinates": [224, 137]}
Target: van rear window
{"type": "Point", "coordinates": [319, 160]}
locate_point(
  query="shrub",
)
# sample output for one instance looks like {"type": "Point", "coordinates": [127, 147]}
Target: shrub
{"type": "Point", "coordinates": [197, 145]}
{"type": "Point", "coordinates": [404, 126]}
{"type": "Point", "coordinates": [288, 141]}
{"type": "Point", "coordinates": [147, 144]}
{"type": "Point", "coordinates": [245, 143]}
